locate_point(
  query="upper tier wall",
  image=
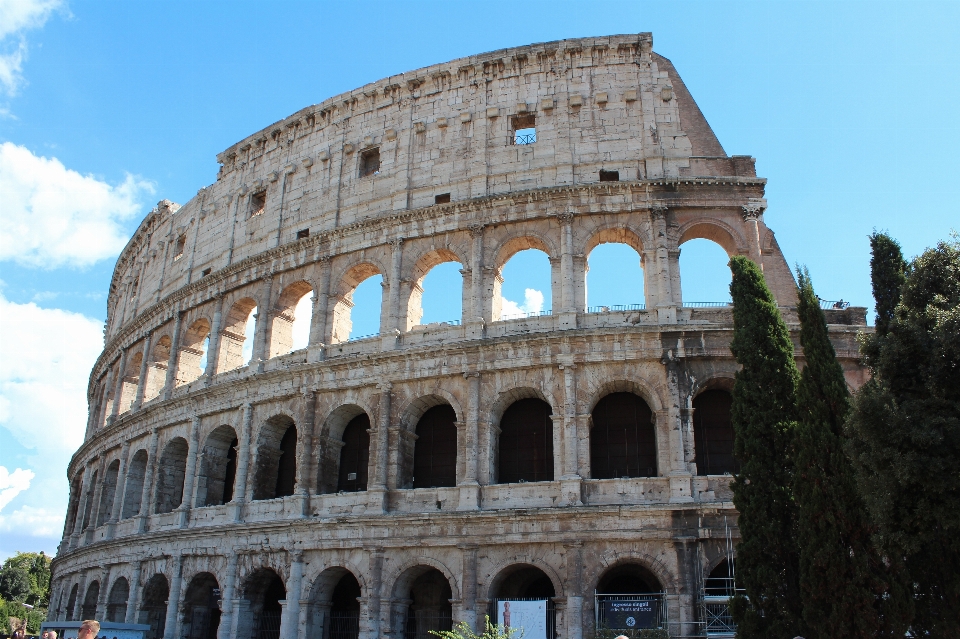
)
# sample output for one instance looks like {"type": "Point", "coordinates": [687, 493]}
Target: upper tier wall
{"type": "Point", "coordinates": [596, 103]}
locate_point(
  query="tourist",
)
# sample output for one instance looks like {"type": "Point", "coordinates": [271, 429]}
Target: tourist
{"type": "Point", "coordinates": [89, 629]}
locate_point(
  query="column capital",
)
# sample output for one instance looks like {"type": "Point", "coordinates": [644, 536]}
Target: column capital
{"type": "Point", "coordinates": [753, 210]}
{"type": "Point", "coordinates": [396, 242]}
{"type": "Point", "coordinates": [565, 219]}
{"type": "Point", "coordinates": [658, 210]}
{"type": "Point", "coordinates": [476, 230]}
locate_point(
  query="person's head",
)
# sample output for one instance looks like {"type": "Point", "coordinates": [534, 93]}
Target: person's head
{"type": "Point", "coordinates": [89, 629]}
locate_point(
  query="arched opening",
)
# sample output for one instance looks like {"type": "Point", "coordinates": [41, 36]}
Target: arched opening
{"type": "Point", "coordinates": [264, 590]}
{"type": "Point", "coordinates": [218, 467]}
{"type": "Point", "coordinates": [131, 379]}
{"type": "Point", "coordinates": [525, 450]}
{"type": "Point", "coordinates": [88, 513]}
{"type": "Point", "coordinates": [622, 439]}
{"type": "Point", "coordinates": [718, 588]}
{"type": "Point", "coordinates": [89, 609]}
{"type": "Point", "coordinates": [713, 433]}
{"type": "Point", "coordinates": [358, 310]}
{"type": "Point", "coordinates": [524, 287]}
{"type": "Point", "coordinates": [435, 451]}
{"type": "Point", "coordinates": [721, 582]}
{"type": "Point", "coordinates": [193, 351]}
{"type": "Point", "coordinates": [614, 278]}
{"type": "Point", "coordinates": [334, 607]}
{"type": "Point", "coordinates": [76, 497]}
{"type": "Point", "coordinates": [117, 601]}
{"type": "Point", "coordinates": [704, 272]}
{"type": "Point", "coordinates": [276, 459]}
{"type": "Point", "coordinates": [157, 368]}
{"type": "Point", "coordinates": [201, 613]}
{"type": "Point", "coordinates": [522, 598]}
{"type": "Point", "coordinates": [236, 338]}
{"type": "Point", "coordinates": [72, 602]}
{"type": "Point", "coordinates": [436, 293]}
{"type": "Point", "coordinates": [133, 491]}
{"type": "Point", "coordinates": [423, 595]}
{"type": "Point", "coordinates": [630, 597]}
{"type": "Point", "coordinates": [170, 475]}
{"type": "Point", "coordinates": [108, 492]}
{"type": "Point", "coordinates": [153, 606]}
{"type": "Point", "coordinates": [354, 455]}
{"type": "Point", "coordinates": [290, 323]}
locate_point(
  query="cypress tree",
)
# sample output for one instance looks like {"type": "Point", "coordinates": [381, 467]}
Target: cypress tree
{"type": "Point", "coordinates": [905, 434]}
{"type": "Point", "coordinates": [764, 417]}
{"type": "Point", "coordinates": [842, 585]}
{"type": "Point", "coordinates": [887, 269]}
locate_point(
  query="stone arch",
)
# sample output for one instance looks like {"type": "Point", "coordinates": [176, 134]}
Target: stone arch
{"type": "Point", "coordinates": [506, 398]}
{"type": "Point", "coordinates": [283, 317]}
{"type": "Point", "coordinates": [643, 559]}
{"type": "Point", "coordinates": [192, 351]}
{"type": "Point", "coordinates": [525, 429]}
{"type": "Point", "coordinates": [201, 614]}
{"type": "Point", "coordinates": [413, 410]}
{"type": "Point", "coordinates": [332, 608]}
{"type": "Point", "coordinates": [264, 588]}
{"type": "Point", "coordinates": [423, 265]}
{"type": "Point", "coordinates": [623, 439]}
{"type": "Point", "coordinates": [133, 490]}
{"type": "Point", "coordinates": [521, 241]}
{"type": "Point", "coordinates": [89, 609]}
{"type": "Point", "coordinates": [502, 570]}
{"type": "Point", "coordinates": [117, 601]}
{"type": "Point", "coordinates": [157, 367]}
{"type": "Point", "coordinates": [412, 446]}
{"type": "Point", "coordinates": [346, 450]}
{"type": "Point", "coordinates": [404, 574]}
{"type": "Point", "coordinates": [130, 381]}
{"type": "Point", "coordinates": [88, 514]}
{"type": "Point", "coordinates": [233, 334]}
{"type": "Point", "coordinates": [347, 282]}
{"type": "Point", "coordinates": [637, 386]}
{"type": "Point", "coordinates": [713, 433]}
{"type": "Point", "coordinates": [720, 380]}
{"type": "Point", "coordinates": [615, 234]}
{"type": "Point", "coordinates": [108, 492]}
{"type": "Point", "coordinates": [421, 594]}
{"type": "Point", "coordinates": [72, 602]}
{"type": "Point", "coordinates": [276, 467]}
{"type": "Point", "coordinates": [717, 231]}
{"type": "Point", "coordinates": [153, 604]}
{"type": "Point", "coordinates": [506, 251]}
{"type": "Point", "coordinates": [171, 472]}
{"type": "Point", "coordinates": [218, 467]}
{"type": "Point", "coordinates": [76, 498]}
{"type": "Point", "coordinates": [618, 234]}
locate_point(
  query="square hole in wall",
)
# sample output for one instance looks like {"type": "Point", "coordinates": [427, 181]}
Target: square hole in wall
{"type": "Point", "coordinates": [205, 272]}
{"type": "Point", "coordinates": [443, 198]}
{"type": "Point", "coordinates": [258, 201]}
{"type": "Point", "coordinates": [302, 233]}
{"type": "Point", "coordinates": [524, 128]}
{"type": "Point", "coordinates": [609, 176]}
{"type": "Point", "coordinates": [370, 162]}
{"type": "Point", "coordinates": [178, 249]}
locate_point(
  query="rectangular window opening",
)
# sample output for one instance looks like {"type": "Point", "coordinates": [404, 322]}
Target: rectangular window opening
{"type": "Point", "coordinates": [302, 233]}
{"type": "Point", "coordinates": [258, 201]}
{"type": "Point", "coordinates": [370, 162]}
{"type": "Point", "coordinates": [205, 272]}
{"type": "Point", "coordinates": [609, 176]}
{"type": "Point", "coordinates": [443, 198]}
{"type": "Point", "coordinates": [178, 250]}
{"type": "Point", "coordinates": [524, 128]}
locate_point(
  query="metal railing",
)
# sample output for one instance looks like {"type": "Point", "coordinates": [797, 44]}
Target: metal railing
{"type": "Point", "coordinates": [268, 625]}
{"type": "Point", "coordinates": [637, 611]}
{"type": "Point", "coordinates": [706, 304]}
{"type": "Point", "coordinates": [360, 337]}
{"type": "Point", "coordinates": [831, 304]}
{"type": "Point", "coordinates": [344, 625]}
{"type": "Point", "coordinates": [421, 623]}
{"type": "Point", "coordinates": [513, 316]}
{"type": "Point", "coordinates": [525, 138]}
{"type": "Point", "coordinates": [616, 307]}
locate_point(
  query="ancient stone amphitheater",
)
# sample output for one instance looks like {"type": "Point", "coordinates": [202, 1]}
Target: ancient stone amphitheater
{"type": "Point", "coordinates": [568, 462]}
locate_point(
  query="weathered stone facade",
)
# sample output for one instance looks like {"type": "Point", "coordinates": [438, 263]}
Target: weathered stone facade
{"type": "Point", "coordinates": [202, 485]}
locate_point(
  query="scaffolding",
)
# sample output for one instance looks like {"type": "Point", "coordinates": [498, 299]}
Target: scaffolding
{"type": "Point", "coordinates": [715, 593]}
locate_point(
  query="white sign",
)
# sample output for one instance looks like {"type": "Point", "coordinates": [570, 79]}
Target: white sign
{"type": "Point", "coordinates": [529, 617]}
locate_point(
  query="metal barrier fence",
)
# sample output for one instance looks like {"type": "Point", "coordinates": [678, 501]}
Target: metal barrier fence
{"type": "Point", "coordinates": [421, 623]}
{"type": "Point", "coordinates": [267, 624]}
{"type": "Point", "coordinates": [523, 315]}
{"type": "Point", "coordinates": [344, 625]}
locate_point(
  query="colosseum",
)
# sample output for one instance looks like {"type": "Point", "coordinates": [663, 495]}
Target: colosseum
{"type": "Point", "coordinates": [572, 466]}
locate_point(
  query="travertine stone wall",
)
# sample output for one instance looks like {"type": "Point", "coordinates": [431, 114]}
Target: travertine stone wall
{"type": "Point", "coordinates": [174, 485]}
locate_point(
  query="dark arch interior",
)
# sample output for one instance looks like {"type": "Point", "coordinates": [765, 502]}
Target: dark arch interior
{"type": "Point", "coordinates": [435, 452]}
{"type": "Point", "coordinates": [430, 609]}
{"type": "Point", "coordinates": [525, 582]}
{"type": "Point", "coordinates": [117, 602]}
{"type": "Point", "coordinates": [355, 455]}
{"type": "Point", "coordinates": [276, 471]}
{"type": "Point", "coordinates": [525, 450]}
{"type": "Point", "coordinates": [218, 468]}
{"type": "Point", "coordinates": [264, 590]}
{"type": "Point", "coordinates": [720, 582]}
{"type": "Point", "coordinates": [345, 609]}
{"type": "Point", "coordinates": [628, 579]}
{"type": "Point", "coordinates": [287, 467]}
{"type": "Point", "coordinates": [170, 475]}
{"type": "Point", "coordinates": [133, 493]}
{"type": "Point", "coordinates": [713, 433]}
{"type": "Point", "coordinates": [622, 440]}
{"type": "Point", "coordinates": [201, 614]}
{"type": "Point", "coordinates": [89, 610]}
{"type": "Point", "coordinates": [72, 602]}
{"type": "Point", "coordinates": [108, 492]}
{"type": "Point", "coordinates": [153, 606]}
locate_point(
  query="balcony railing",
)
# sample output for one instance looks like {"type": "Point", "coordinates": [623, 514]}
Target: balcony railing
{"type": "Point", "coordinates": [525, 138]}
{"type": "Point", "coordinates": [513, 316]}
{"type": "Point", "coordinates": [831, 304]}
{"type": "Point", "coordinates": [706, 304]}
{"type": "Point", "coordinates": [616, 307]}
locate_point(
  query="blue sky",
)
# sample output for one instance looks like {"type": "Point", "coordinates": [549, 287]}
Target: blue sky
{"type": "Point", "coordinates": [107, 107]}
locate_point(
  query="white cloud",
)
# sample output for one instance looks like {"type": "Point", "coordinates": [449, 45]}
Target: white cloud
{"type": "Point", "coordinates": [532, 303]}
{"type": "Point", "coordinates": [12, 484]}
{"type": "Point", "coordinates": [47, 355]}
{"type": "Point", "coordinates": [17, 16]}
{"type": "Point", "coordinates": [53, 216]}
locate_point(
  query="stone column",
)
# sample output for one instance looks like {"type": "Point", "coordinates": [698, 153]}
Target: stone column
{"type": "Point", "coordinates": [570, 478]}
{"type": "Point", "coordinates": [81, 595]}
{"type": "Point", "coordinates": [81, 507]}
{"type": "Point", "coordinates": [120, 492]}
{"type": "Point", "coordinates": [190, 474]}
{"type": "Point", "coordinates": [468, 558]}
{"type": "Point", "coordinates": [173, 603]}
{"type": "Point", "coordinates": [133, 599]}
{"type": "Point", "coordinates": [478, 316]}
{"type": "Point", "coordinates": [688, 584]}
{"type": "Point", "coordinates": [373, 601]}
{"type": "Point", "coordinates": [574, 570]}
{"type": "Point", "coordinates": [378, 488]}
{"type": "Point", "coordinates": [751, 213]}
{"type": "Point", "coordinates": [305, 450]}
{"type": "Point", "coordinates": [470, 486]}
{"type": "Point", "coordinates": [102, 416]}
{"type": "Point", "coordinates": [118, 386]}
{"type": "Point", "coordinates": [318, 323]}
{"type": "Point", "coordinates": [174, 360]}
{"type": "Point", "coordinates": [146, 507]}
{"type": "Point", "coordinates": [213, 351]}
{"type": "Point", "coordinates": [390, 334]}
{"type": "Point", "coordinates": [97, 496]}
{"type": "Point", "coordinates": [104, 589]}
{"type": "Point", "coordinates": [226, 598]}
{"type": "Point", "coordinates": [290, 621]}
{"type": "Point", "coordinates": [669, 425]}
{"type": "Point", "coordinates": [666, 310]}
{"type": "Point", "coordinates": [243, 463]}
{"type": "Point", "coordinates": [144, 367]}
{"type": "Point", "coordinates": [568, 312]}
{"type": "Point", "coordinates": [264, 308]}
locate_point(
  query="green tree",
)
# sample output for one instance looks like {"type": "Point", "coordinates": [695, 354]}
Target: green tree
{"type": "Point", "coordinates": [37, 566]}
{"type": "Point", "coordinates": [887, 273]}
{"type": "Point", "coordinates": [904, 433]}
{"type": "Point", "coordinates": [491, 631]}
{"type": "Point", "coordinates": [764, 417]}
{"type": "Point", "coordinates": [843, 583]}
{"type": "Point", "coordinates": [14, 583]}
